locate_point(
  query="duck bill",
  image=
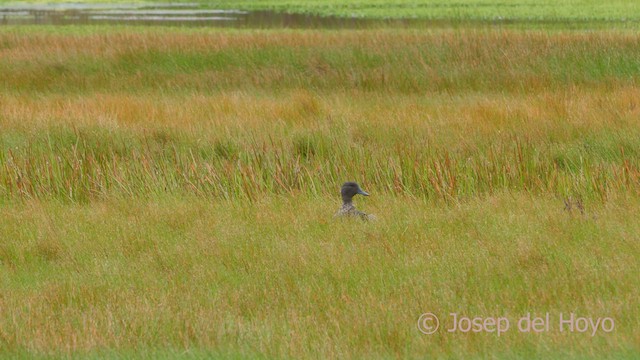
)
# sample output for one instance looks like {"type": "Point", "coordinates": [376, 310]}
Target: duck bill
{"type": "Point", "coordinates": [362, 192]}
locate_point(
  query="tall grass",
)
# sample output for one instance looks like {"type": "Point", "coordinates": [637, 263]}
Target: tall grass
{"type": "Point", "coordinates": [87, 163]}
{"type": "Point", "coordinates": [385, 60]}
{"type": "Point", "coordinates": [438, 115]}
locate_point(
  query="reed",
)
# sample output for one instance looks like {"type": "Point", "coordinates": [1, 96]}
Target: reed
{"type": "Point", "coordinates": [88, 163]}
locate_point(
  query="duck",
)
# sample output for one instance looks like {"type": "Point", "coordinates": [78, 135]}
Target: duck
{"type": "Point", "coordinates": [348, 191]}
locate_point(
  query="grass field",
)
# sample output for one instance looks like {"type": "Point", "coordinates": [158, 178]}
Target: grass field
{"type": "Point", "coordinates": [170, 193]}
{"type": "Point", "coordinates": [540, 10]}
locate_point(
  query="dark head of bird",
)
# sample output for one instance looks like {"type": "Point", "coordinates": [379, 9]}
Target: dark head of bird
{"type": "Point", "coordinates": [349, 190]}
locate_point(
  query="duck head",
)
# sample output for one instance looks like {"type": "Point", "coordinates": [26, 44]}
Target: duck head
{"type": "Point", "coordinates": [349, 190]}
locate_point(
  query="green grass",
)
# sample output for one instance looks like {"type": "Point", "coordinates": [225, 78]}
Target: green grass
{"type": "Point", "coordinates": [545, 10]}
{"type": "Point", "coordinates": [280, 278]}
{"type": "Point", "coordinates": [171, 193]}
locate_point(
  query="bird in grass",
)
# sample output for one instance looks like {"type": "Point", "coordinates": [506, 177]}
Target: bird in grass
{"type": "Point", "coordinates": [348, 191]}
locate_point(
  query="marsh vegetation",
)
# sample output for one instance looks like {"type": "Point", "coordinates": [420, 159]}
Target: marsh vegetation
{"type": "Point", "coordinates": [171, 192]}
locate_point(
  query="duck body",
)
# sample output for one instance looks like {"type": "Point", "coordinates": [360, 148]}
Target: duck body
{"type": "Point", "coordinates": [348, 210]}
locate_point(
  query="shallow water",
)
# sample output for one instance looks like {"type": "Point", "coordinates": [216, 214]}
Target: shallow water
{"type": "Point", "coordinates": [166, 14]}
{"type": "Point", "coordinates": [193, 14]}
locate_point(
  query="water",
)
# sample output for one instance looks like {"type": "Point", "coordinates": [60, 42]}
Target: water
{"type": "Point", "coordinates": [189, 14]}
